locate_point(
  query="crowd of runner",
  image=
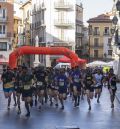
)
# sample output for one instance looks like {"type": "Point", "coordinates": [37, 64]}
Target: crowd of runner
{"type": "Point", "coordinates": [40, 85]}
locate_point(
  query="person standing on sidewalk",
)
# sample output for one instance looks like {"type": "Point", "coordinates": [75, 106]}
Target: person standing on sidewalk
{"type": "Point", "coordinates": [112, 86]}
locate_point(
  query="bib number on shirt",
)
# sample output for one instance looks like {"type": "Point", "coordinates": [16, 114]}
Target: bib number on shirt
{"type": "Point", "coordinates": [39, 83]}
{"type": "Point", "coordinates": [27, 87]}
{"type": "Point", "coordinates": [61, 83]}
{"type": "Point", "coordinates": [76, 80]}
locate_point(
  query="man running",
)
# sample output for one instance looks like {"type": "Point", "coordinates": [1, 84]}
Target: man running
{"type": "Point", "coordinates": [27, 89]}
{"type": "Point", "coordinates": [62, 84]}
{"type": "Point", "coordinates": [88, 81]}
{"type": "Point", "coordinates": [77, 84]}
{"type": "Point", "coordinates": [40, 76]}
{"type": "Point", "coordinates": [8, 79]}
{"type": "Point", "coordinates": [98, 84]}
{"type": "Point", "coordinates": [112, 86]}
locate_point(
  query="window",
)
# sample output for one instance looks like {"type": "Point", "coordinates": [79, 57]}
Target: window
{"type": "Point", "coordinates": [110, 52]}
{"type": "Point", "coordinates": [3, 46]}
{"type": "Point", "coordinates": [96, 42]}
{"type": "Point", "coordinates": [2, 29]}
{"type": "Point", "coordinates": [106, 30]}
{"type": "Point", "coordinates": [96, 53]}
{"type": "Point", "coordinates": [109, 41]}
{"type": "Point", "coordinates": [2, 13]}
{"type": "Point", "coordinates": [96, 31]}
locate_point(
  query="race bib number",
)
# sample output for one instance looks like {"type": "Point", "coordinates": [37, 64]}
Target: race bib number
{"type": "Point", "coordinates": [27, 87]}
{"type": "Point", "coordinates": [76, 80]}
{"type": "Point", "coordinates": [61, 83]}
{"type": "Point", "coordinates": [39, 83]}
{"type": "Point", "coordinates": [98, 84]}
{"type": "Point", "coordinates": [8, 85]}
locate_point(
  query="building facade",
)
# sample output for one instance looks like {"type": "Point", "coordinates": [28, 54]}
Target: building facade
{"type": "Point", "coordinates": [17, 23]}
{"type": "Point", "coordinates": [55, 22]}
{"type": "Point", "coordinates": [23, 10]}
{"type": "Point", "coordinates": [6, 29]}
{"type": "Point", "coordinates": [79, 46]}
{"type": "Point", "coordinates": [100, 38]}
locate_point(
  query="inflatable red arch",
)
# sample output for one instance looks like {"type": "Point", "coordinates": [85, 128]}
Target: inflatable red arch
{"type": "Point", "coordinates": [26, 50]}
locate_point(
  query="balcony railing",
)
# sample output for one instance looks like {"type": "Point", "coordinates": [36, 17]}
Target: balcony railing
{"type": "Point", "coordinates": [63, 23]}
{"type": "Point", "coordinates": [106, 34]}
{"type": "Point", "coordinates": [63, 5]}
{"type": "Point", "coordinates": [96, 33]}
{"type": "Point", "coordinates": [96, 46]}
{"type": "Point", "coordinates": [79, 34]}
{"type": "Point", "coordinates": [3, 20]}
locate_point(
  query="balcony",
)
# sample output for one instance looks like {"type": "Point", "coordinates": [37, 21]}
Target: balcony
{"type": "Point", "coordinates": [3, 20]}
{"type": "Point", "coordinates": [63, 23]}
{"type": "Point", "coordinates": [96, 33]}
{"type": "Point", "coordinates": [63, 5]}
{"type": "Point", "coordinates": [106, 34]}
{"type": "Point", "coordinates": [109, 45]}
{"type": "Point", "coordinates": [96, 46]}
{"type": "Point", "coordinates": [79, 34]}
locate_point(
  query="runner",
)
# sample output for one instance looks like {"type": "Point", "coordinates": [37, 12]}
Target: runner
{"type": "Point", "coordinates": [112, 86]}
{"type": "Point", "coordinates": [88, 81]}
{"type": "Point", "coordinates": [40, 76]}
{"type": "Point", "coordinates": [19, 86]}
{"type": "Point", "coordinates": [77, 84]}
{"type": "Point", "coordinates": [62, 83]}
{"type": "Point", "coordinates": [98, 84]}
{"type": "Point", "coordinates": [27, 89]}
{"type": "Point", "coordinates": [8, 79]}
{"type": "Point", "coordinates": [53, 86]}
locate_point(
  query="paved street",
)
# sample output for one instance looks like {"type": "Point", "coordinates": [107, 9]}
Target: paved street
{"type": "Point", "coordinates": [100, 117]}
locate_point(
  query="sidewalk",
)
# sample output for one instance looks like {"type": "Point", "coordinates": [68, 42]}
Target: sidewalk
{"type": "Point", "coordinates": [118, 92]}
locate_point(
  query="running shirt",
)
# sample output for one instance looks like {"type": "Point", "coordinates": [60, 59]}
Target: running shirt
{"type": "Point", "coordinates": [7, 78]}
{"type": "Point", "coordinates": [62, 81]}
{"type": "Point", "coordinates": [76, 76]}
{"type": "Point", "coordinates": [98, 79]}
{"type": "Point", "coordinates": [27, 81]}
{"type": "Point", "coordinates": [40, 76]}
{"type": "Point", "coordinates": [112, 82]}
{"type": "Point", "coordinates": [88, 80]}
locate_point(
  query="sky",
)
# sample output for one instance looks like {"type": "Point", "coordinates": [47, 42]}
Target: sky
{"type": "Point", "coordinates": [93, 8]}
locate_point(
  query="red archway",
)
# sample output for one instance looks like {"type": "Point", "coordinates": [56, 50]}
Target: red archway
{"type": "Point", "coordinates": [26, 50]}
